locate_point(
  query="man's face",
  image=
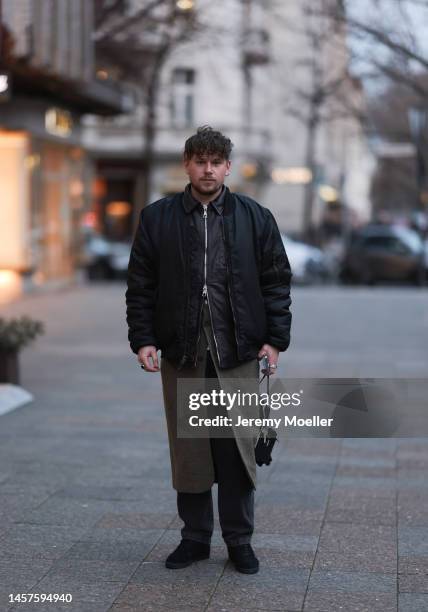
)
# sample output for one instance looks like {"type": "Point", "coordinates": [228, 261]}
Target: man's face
{"type": "Point", "coordinates": [207, 172]}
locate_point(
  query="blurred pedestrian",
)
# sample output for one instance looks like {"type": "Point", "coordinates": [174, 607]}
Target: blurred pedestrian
{"type": "Point", "coordinates": [209, 286]}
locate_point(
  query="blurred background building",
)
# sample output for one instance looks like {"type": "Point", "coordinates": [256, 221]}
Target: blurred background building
{"type": "Point", "coordinates": [48, 83]}
{"type": "Point", "coordinates": [321, 159]}
{"type": "Point", "coordinates": [217, 76]}
{"type": "Point", "coordinates": [249, 69]}
{"type": "Point", "coordinates": [97, 98]}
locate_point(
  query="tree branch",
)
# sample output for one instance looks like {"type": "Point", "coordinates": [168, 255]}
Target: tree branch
{"type": "Point", "coordinates": [132, 20]}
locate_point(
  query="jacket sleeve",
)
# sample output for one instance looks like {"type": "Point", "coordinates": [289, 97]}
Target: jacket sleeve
{"type": "Point", "coordinates": [142, 283]}
{"type": "Point", "coordinates": [275, 278]}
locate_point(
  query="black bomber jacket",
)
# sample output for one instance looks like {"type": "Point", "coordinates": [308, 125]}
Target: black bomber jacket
{"type": "Point", "coordinates": [247, 276]}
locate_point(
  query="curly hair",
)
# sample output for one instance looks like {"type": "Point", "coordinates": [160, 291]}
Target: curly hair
{"type": "Point", "coordinates": [207, 141]}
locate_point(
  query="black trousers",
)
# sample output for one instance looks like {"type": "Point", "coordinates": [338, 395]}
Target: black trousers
{"type": "Point", "coordinates": [235, 495]}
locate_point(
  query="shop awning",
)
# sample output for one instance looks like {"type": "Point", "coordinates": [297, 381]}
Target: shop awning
{"type": "Point", "coordinates": [95, 96]}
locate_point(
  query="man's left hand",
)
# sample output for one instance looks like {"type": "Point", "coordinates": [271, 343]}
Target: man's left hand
{"type": "Point", "coordinates": [272, 355]}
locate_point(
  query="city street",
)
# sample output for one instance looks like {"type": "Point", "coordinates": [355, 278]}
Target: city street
{"type": "Point", "coordinates": [86, 502]}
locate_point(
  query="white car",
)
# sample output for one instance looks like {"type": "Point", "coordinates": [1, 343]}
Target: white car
{"type": "Point", "coordinates": [307, 263]}
{"type": "Point", "coordinates": [105, 259]}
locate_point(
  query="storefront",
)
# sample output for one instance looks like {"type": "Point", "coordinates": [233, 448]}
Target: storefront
{"type": "Point", "coordinates": [117, 197]}
{"type": "Point", "coordinates": [46, 183]}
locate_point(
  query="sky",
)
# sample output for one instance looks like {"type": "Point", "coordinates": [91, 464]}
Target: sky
{"type": "Point", "coordinates": [386, 13]}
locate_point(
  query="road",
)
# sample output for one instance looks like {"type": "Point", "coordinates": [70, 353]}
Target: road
{"type": "Point", "coordinates": [86, 503]}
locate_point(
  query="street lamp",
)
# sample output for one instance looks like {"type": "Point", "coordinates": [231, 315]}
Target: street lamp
{"type": "Point", "coordinates": [185, 5]}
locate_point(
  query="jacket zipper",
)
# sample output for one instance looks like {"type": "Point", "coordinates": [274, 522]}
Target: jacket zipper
{"type": "Point", "coordinates": [199, 334]}
{"type": "Point", "coordinates": [228, 285]}
{"type": "Point", "coordinates": [215, 340]}
{"type": "Point", "coordinates": [205, 288]}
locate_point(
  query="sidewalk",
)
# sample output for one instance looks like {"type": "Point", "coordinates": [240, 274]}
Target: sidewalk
{"type": "Point", "coordinates": [87, 507]}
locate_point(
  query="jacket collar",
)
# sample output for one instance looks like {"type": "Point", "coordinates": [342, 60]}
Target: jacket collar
{"type": "Point", "coordinates": [219, 204]}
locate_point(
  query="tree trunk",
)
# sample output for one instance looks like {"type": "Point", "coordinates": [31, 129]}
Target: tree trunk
{"type": "Point", "coordinates": [309, 192]}
{"type": "Point", "coordinates": [149, 134]}
{"type": "Point", "coordinates": [149, 126]}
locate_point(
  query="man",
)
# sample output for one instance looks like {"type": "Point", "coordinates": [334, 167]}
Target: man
{"type": "Point", "coordinates": [209, 286]}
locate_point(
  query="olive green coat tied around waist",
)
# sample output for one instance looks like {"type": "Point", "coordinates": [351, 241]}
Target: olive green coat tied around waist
{"type": "Point", "coordinates": [191, 460]}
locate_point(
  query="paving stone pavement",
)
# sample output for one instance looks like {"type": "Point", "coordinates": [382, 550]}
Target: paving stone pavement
{"type": "Point", "coordinates": [86, 503]}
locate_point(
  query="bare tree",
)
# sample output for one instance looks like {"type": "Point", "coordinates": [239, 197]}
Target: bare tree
{"type": "Point", "coordinates": [138, 44]}
{"type": "Point", "coordinates": [386, 45]}
{"type": "Point", "coordinates": [396, 58]}
{"type": "Point", "coordinates": [378, 48]}
{"type": "Point", "coordinates": [327, 92]}
{"type": "Point", "coordinates": [399, 183]}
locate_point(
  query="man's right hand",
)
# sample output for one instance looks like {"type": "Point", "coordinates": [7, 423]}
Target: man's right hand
{"type": "Point", "coordinates": [148, 357]}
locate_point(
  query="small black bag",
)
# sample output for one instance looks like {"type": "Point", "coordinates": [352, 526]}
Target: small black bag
{"type": "Point", "coordinates": [267, 436]}
{"type": "Point", "coordinates": [264, 446]}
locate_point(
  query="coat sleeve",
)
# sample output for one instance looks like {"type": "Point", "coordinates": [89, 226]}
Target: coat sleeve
{"type": "Point", "coordinates": [275, 278]}
{"type": "Point", "coordinates": [142, 283]}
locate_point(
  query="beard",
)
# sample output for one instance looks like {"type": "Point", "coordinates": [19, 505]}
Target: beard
{"type": "Point", "coordinates": [207, 188]}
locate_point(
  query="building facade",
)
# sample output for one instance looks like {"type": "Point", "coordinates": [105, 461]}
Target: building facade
{"type": "Point", "coordinates": [46, 175]}
{"type": "Point", "coordinates": [217, 78]}
{"type": "Point", "coordinates": [319, 148]}
{"type": "Point", "coordinates": [249, 72]}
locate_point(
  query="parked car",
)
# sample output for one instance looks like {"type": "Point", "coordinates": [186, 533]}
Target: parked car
{"type": "Point", "coordinates": [385, 253]}
{"type": "Point", "coordinates": [105, 259]}
{"type": "Point", "coordinates": [308, 264]}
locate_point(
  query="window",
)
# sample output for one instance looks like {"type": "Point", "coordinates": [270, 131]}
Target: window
{"type": "Point", "coordinates": [182, 97]}
{"type": "Point", "coordinates": [390, 244]}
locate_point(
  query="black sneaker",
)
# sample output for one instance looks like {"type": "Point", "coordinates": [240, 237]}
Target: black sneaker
{"type": "Point", "coordinates": [186, 553]}
{"type": "Point", "coordinates": [244, 559]}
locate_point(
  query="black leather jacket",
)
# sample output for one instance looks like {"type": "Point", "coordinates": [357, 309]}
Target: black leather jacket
{"type": "Point", "coordinates": [247, 276]}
